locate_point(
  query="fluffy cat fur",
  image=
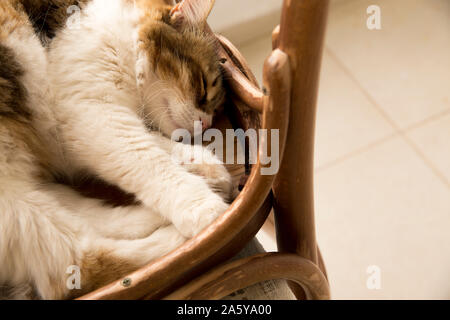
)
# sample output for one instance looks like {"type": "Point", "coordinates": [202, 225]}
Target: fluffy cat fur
{"type": "Point", "coordinates": [104, 98]}
{"type": "Point", "coordinates": [48, 16]}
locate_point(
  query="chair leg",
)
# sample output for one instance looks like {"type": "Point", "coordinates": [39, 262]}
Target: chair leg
{"type": "Point", "coordinates": [301, 36]}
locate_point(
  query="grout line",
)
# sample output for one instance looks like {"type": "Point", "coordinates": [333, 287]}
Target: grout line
{"type": "Point", "coordinates": [427, 161]}
{"type": "Point", "coordinates": [363, 90]}
{"type": "Point", "coordinates": [398, 130]}
{"type": "Point", "coordinates": [355, 152]}
{"type": "Point", "coordinates": [426, 121]}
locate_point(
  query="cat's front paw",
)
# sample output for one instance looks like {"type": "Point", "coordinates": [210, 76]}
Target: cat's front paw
{"type": "Point", "coordinates": [216, 176]}
{"type": "Point", "coordinates": [205, 164]}
{"type": "Point", "coordinates": [192, 222]}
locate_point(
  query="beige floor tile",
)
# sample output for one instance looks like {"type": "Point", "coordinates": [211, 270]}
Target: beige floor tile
{"type": "Point", "coordinates": [267, 240]}
{"type": "Point", "coordinates": [346, 119]}
{"type": "Point", "coordinates": [384, 207]}
{"type": "Point", "coordinates": [433, 139]}
{"type": "Point", "coordinates": [406, 65]}
{"type": "Point", "coordinates": [256, 52]}
{"type": "Point", "coordinates": [242, 21]}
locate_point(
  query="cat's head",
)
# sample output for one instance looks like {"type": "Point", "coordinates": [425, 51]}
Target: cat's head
{"type": "Point", "coordinates": [184, 82]}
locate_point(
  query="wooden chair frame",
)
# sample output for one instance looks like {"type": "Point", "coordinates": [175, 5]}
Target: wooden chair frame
{"type": "Point", "coordinates": [198, 269]}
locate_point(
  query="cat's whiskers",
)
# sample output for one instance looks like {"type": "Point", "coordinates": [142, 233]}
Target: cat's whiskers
{"type": "Point", "coordinates": [184, 113]}
{"type": "Point", "coordinates": [147, 116]}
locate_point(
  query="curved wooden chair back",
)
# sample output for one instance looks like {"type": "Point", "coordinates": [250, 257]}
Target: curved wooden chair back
{"type": "Point", "coordinates": [198, 269]}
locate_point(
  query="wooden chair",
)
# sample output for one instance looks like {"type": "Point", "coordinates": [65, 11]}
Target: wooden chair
{"type": "Point", "coordinates": [198, 269]}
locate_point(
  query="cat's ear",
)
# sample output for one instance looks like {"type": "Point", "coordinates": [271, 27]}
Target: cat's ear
{"type": "Point", "coordinates": [191, 13]}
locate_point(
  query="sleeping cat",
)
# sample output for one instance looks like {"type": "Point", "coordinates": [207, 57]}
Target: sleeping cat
{"type": "Point", "coordinates": [105, 100]}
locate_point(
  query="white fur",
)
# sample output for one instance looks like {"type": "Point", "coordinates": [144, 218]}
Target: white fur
{"type": "Point", "coordinates": [98, 105]}
{"type": "Point", "coordinates": [100, 80]}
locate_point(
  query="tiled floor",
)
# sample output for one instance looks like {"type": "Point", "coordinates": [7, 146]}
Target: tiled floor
{"type": "Point", "coordinates": [383, 149]}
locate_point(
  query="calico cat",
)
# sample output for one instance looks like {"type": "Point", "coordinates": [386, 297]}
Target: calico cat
{"type": "Point", "coordinates": [104, 98]}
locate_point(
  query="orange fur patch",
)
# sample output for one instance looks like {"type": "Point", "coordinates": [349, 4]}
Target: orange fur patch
{"type": "Point", "coordinates": [100, 268]}
{"type": "Point", "coordinates": [12, 17]}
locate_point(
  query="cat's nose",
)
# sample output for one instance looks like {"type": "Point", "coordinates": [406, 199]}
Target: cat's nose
{"type": "Point", "coordinates": [206, 123]}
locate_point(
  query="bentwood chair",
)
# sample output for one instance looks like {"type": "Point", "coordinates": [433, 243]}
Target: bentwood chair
{"type": "Point", "coordinates": [199, 268]}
